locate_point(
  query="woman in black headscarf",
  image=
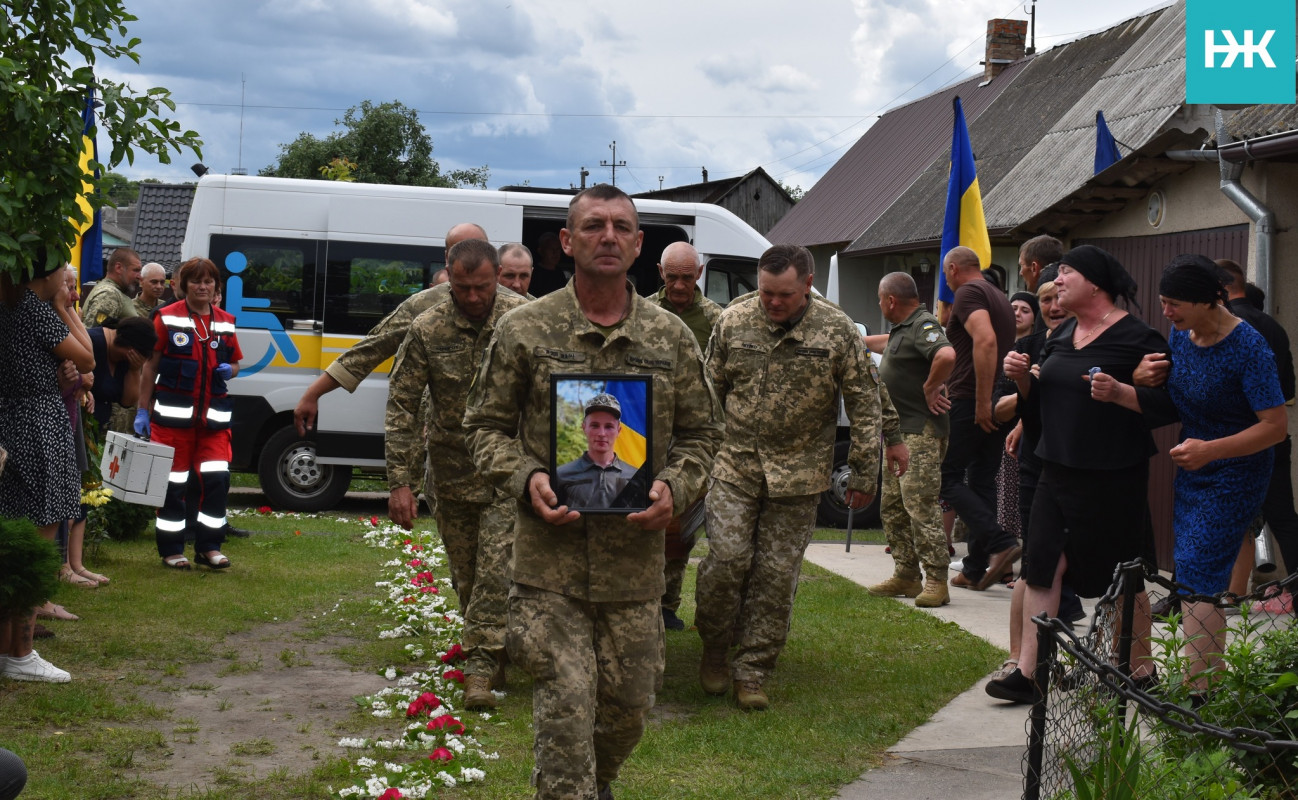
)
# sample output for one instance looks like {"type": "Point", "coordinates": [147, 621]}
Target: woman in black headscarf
{"type": "Point", "coordinates": [1090, 510]}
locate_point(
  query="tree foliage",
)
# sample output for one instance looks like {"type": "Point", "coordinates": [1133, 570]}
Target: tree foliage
{"type": "Point", "coordinates": [384, 143]}
{"type": "Point", "coordinates": [118, 190]}
{"type": "Point", "coordinates": [42, 96]}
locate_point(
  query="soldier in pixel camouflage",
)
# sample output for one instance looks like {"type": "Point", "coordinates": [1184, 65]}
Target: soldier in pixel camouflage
{"type": "Point", "coordinates": [917, 359]}
{"type": "Point", "coordinates": [584, 604]}
{"type": "Point", "coordinates": [680, 270]}
{"type": "Point", "coordinates": [439, 359]}
{"type": "Point", "coordinates": [778, 362]}
{"type": "Point", "coordinates": [111, 297]}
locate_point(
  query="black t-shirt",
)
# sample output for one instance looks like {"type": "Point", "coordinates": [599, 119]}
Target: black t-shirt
{"type": "Point", "coordinates": [109, 377]}
{"type": "Point", "coordinates": [1275, 337]}
{"type": "Point", "coordinates": [969, 298]}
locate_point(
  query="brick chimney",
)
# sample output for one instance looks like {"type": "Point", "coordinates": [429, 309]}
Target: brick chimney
{"type": "Point", "coordinates": [1006, 42]}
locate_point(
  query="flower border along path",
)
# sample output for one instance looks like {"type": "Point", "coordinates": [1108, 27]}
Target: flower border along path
{"type": "Point", "coordinates": [434, 746]}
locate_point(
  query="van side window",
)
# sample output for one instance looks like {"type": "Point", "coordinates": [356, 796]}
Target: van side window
{"type": "Point", "coordinates": [728, 278]}
{"type": "Point", "coordinates": [280, 272]}
{"type": "Point", "coordinates": [366, 281]}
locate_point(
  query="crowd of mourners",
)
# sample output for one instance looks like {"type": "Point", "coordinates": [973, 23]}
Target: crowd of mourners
{"type": "Point", "coordinates": [1027, 417]}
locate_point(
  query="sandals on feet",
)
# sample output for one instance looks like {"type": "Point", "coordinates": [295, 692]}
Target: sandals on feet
{"type": "Point", "coordinates": [176, 562]}
{"type": "Point", "coordinates": [94, 576]}
{"type": "Point", "coordinates": [1007, 666]}
{"type": "Point", "coordinates": [68, 575]}
{"type": "Point", "coordinates": [56, 611]}
{"type": "Point", "coordinates": [213, 561]}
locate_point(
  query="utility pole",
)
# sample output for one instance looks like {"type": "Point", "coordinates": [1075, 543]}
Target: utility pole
{"type": "Point", "coordinates": [615, 163]}
{"type": "Point", "coordinates": [660, 183]}
{"type": "Point", "coordinates": [585, 173]}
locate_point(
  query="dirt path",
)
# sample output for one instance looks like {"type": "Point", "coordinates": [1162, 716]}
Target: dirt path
{"type": "Point", "coordinates": [279, 701]}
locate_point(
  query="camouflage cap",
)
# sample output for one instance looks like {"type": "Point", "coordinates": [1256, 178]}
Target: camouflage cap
{"type": "Point", "coordinates": [604, 402]}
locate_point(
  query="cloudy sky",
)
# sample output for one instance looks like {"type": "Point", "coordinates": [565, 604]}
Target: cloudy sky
{"type": "Point", "coordinates": [536, 89]}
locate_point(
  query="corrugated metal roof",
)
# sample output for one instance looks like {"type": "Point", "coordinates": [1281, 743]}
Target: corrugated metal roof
{"type": "Point", "coordinates": [1263, 120]}
{"type": "Point", "coordinates": [161, 220]}
{"type": "Point", "coordinates": [1029, 144]}
{"type": "Point", "coordinates": [882, 164]}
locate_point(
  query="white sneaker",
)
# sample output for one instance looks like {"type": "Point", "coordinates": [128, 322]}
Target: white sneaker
{"type": "Point", "coordinates": [34, 668]}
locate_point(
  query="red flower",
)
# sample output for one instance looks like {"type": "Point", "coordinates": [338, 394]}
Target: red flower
{"type": "Point", "coordinates": [374, 521]}
{"type": "Point", "coordinates": [446, 722]}
{"type": "Point", "coordinates": [441, 754]}
{"type": "Point", "coordinates": [407, 541]}
{"type": "Point", "coordinates": [415, 547]}
{"type": "Point", "coordinates": [264, 510]}
{"type": "Point", "coordinates": [391, 794]}
{"type": "Point", "coordinates": [425, 702]}
{"type": "Point", "coordinates": [414, 562]}
{"type": "Point", "coordinates": [456, 653]}
{"type": "Point", "coordinates": [453, 675]}
{"type": "Point", "coordinates": [408, 599]}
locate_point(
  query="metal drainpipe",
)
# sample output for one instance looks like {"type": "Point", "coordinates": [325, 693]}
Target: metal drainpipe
{"type": "Point", "coordinates": [1262, 217]}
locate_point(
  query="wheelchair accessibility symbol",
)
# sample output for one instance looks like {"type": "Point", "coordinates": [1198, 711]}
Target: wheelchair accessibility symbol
{"type": "Point", "coordinates": [248, 314]}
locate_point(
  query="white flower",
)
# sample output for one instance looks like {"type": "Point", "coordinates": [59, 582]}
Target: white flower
{"type": "Point", "coordinates": [376, 785]}
{"type": "Point", "coordinates": [356, 742]}
{"type": "Point", "coordinates": [470, 774]}
{"type": "Point", "coordinates": [390, 767]}
{"type": "Point", "coordinates": [446, 778]}
{"type": "Point", "coordinates": [365, 763]}
{"type": "Point", "coordinates": [390, 673]}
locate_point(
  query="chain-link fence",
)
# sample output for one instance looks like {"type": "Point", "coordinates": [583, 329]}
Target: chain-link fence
{"type": "Point", "coordinates": [1148, 704]}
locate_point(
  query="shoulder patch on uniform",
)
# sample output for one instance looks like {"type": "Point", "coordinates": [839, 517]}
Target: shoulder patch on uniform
{"type": "Point", "coordinates": [571, 356]}
{"type": "Point", "coordinates": [180, 338]}
{"type": "Point", "coordinates": [650, 363]}
{"type": "Point", "coordinates": [932, 337]}
{"type": "Point", "coordinates": [928, 325]}
{"type": "Point", "coordinates": [813, 352]}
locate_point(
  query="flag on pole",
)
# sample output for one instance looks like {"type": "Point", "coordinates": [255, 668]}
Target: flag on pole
{"type": "Point", "coordinates": [1106, 147]}
{"type": "Point", "coordinates": [631, 445]}
{"type": "Point", "coordinates": [88, 249]}
{"type": "Point", "coordinates": [964, 223]}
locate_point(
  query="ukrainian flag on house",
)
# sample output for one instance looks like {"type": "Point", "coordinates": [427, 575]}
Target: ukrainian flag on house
{"type": "Point", "coordinates": [631, 445]}
{"type": "Point", "coordinates": [964, 223]}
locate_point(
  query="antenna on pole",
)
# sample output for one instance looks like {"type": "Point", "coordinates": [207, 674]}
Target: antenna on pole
{"type": "Point", "coordinates": [660, 183]}
{"type": "Point", "coordinates": [1032, 39]}
{"type": "Point", "coordinates": [585, 173]}
{"type": "Point", "coordinates": [243, 91]}
{"type": "Point", "coordinates": [615, 163]}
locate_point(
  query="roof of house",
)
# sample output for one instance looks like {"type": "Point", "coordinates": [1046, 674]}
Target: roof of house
{"type": "Point", "coordinates": [713, 191]}
{"type": "Point", "coordinates": [1035, 143]}
{"type": "Point", "coordinates": [161, 221]}
{"type": "Point", "coordinates": [884, 163]}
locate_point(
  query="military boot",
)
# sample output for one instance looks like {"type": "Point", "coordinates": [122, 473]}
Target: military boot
{"type": "Point", "coordinates": [477, 693]}
{"type": "Point", "coordinates": [901, 584]}
{"type": "Point", "coordinates": [750, 697]}
{"type": "Point", "coordinates": [935, 592]}
{"type": "Point", "coordinates": [714, 669]}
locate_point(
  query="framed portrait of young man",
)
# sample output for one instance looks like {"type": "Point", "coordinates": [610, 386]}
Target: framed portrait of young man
{"type": "Point", "coordinates": [601, 427]}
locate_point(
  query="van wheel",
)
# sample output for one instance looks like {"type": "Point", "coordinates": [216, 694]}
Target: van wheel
{"type": "Point", "coordinates": [291, 478]}
{"type": "Point", "coordinates": [832, 510]}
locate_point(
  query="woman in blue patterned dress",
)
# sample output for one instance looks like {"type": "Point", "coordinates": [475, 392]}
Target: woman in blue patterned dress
{"type": "Point", "coordinates": [1224, 382]}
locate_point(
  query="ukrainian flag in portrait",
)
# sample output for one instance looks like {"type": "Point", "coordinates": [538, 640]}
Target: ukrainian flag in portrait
{"type": "Point", "coordinates": [964, 223]}
{"type": "Point", "coordinates": [88, 249]}
{"type": "Point", "coordinates": [631, 445]}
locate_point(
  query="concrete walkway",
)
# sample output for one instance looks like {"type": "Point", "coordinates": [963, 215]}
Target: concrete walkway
{"type": "Point", "coordinates": [973, 748]}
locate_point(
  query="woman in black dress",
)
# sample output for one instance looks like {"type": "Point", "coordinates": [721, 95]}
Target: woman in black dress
{"type": "Point", "coordinates": [1090, 511]}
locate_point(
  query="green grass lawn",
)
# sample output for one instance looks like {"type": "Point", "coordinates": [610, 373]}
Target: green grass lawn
{"type": "Point", "coordinates": [858, 674]}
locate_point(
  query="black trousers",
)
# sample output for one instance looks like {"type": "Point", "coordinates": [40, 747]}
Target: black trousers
{"type": "Point", "coordinates": [1278, 508]}
{"type": "Point", "coordinates": [969, 484]}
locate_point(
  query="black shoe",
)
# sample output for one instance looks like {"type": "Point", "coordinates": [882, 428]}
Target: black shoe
{"type": "Point", "coordinates": [606, 791]}
{"type": "Point", "coordinates": [672, 622]}
{"type": "Point", "coordinates": [1014, 687]}
{"type": "Point", "coordinates": [1071, 611]}
{"type": "Point", "coordinates": [238, 533]}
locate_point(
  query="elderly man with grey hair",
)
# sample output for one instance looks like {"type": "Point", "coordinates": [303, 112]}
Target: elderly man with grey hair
{"type": "Point", "coordinates": [153, 282]}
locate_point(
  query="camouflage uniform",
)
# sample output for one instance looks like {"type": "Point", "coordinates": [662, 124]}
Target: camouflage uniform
{"type": "Point", "coordinates": [143, 308]}
{"type": "Point", "coordinates": [584, 614]}
{"type": "Point", "coordinates": [912, 519]}
{"type": "Point", "coordinates": [107, 300]}
{"type": "Point", "coordinates": [439, 359]}
{"type": "Point", "coordinates": [700, 317]}
{"type": "Point", "coordinates": [779, 386]}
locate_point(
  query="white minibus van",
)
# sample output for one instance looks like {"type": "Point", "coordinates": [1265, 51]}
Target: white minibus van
{"type": "Point", "coordinates": [312, 265]}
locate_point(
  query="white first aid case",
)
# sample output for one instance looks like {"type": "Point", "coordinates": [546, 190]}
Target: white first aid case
{"type": "Point", "coordinates": [136, 470]}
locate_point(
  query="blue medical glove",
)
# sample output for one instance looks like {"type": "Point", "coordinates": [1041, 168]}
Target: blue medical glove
{"type": "Point", "coordinates": [142, 422]}
{"type": "Point", "coordinates": [223, 371]}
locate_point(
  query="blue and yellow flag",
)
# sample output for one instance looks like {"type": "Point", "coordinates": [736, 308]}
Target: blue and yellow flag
{"type": "Point", "coordinates": [631, 445]}
{"type": "Point", "coordinates": [88, 250]}
{"type": "Point", "coordinates": [964, 223]}
{"type": "Point", "coordinates": [1106, 147]}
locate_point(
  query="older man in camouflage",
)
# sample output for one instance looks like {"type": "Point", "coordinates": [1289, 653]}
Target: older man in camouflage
{"type": "Point", "coordinates": [584, 605]}
{"type": "Point", "coordinates": [441, 355]}
{"type": "Point", "coordinates": [917, 359]}
{"type": "Point", "coordinates": [778, 362]}
{"type": "Point", "coordinates": [111, 297]}
{"type": "Point", "coordinates": [680, 270]}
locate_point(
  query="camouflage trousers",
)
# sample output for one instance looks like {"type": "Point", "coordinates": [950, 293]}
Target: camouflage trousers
{"type": "Point", "coordinates": [750, 574]}
{"type": "Point", "coordinates": [595, 669]}
{"type": "Point", "coordinates": [479, 539]}
{"type": "Point", "coordinates": [912, 519]}
{"type": "Point", "coordinates": [674, 576]}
